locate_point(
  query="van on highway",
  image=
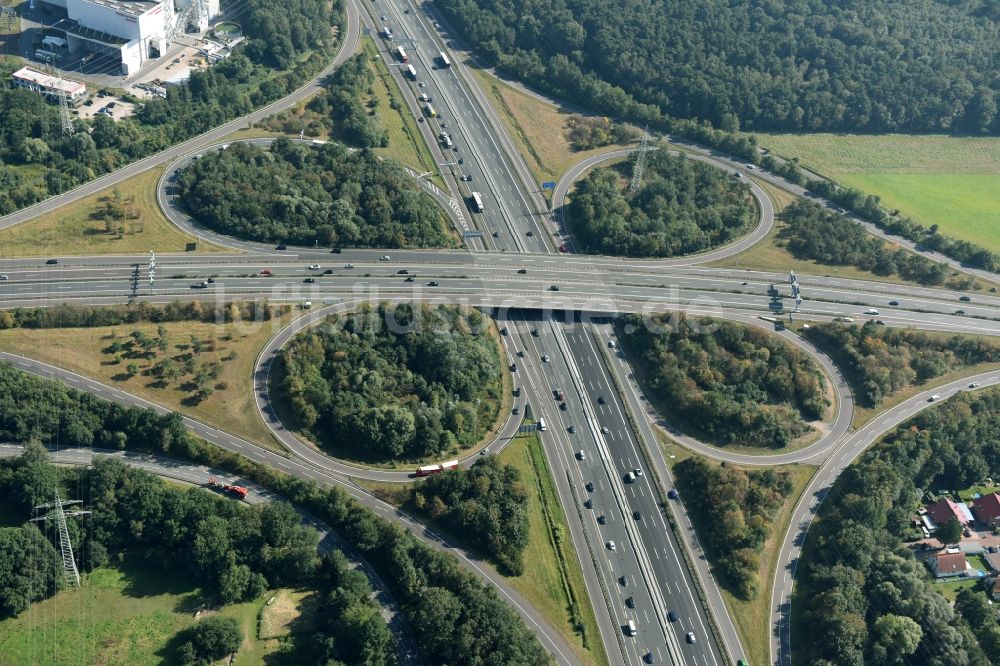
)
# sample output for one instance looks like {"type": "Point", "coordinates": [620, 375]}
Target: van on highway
{"type": "Point", "coordinates": [871, 311]}
{"type": "Point", "coordinates": [631, 629]}
{"type": "Point", "coordinates": [541, 425]}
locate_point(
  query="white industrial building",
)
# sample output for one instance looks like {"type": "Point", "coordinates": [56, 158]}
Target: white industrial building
{"type": "Point", "coordinates": [52, 87]}
{"type": "Point", "coordinates": [133, 32]}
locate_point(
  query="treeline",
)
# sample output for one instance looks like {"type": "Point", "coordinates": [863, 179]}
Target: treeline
{"type": "Point", "coordinates": [447, 607]}
{"type": "Point", "coordinates": [727, 383]}
{"type": "Point", "coordinates": [294, 37]}
{"type": "Point", "coordinates": [869, 66]}
{"type": "Point", "coordinates": [30, 567]}
{"type": "Point", "coordinates": [813, 232]}
{"type": "Point", "coordinates": [394, 382]}
{"type": "Point", "coordinates": [485, 505]}
{"type": "Point", "coordinates": [80, 316]}
{"type": "Point", "coordinates": [341, 104]}
{"type": "Point", "coordinates": [682, 207]}
{"type": "Point", "coordinates": [734, 510]}
{"type": "Point", "coordinates": [304, 194]}
{"type": "Point", "coordinates": [879, 360]}
{"type": "Point", "coordinates": [865, 598]}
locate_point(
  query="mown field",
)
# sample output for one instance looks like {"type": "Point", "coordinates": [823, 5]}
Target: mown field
{"type": "Point", "coordinates": [953, 182]}
{"type": "Point", "coordinates": [127, 616]}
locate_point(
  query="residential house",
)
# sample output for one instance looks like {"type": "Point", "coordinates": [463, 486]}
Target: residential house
{"type": "Point", "coordinates": [949, 563]}
{"type": "Point", "coordinates": [987, 509]}
{"type": "Point", "coordinates": [944, 510]}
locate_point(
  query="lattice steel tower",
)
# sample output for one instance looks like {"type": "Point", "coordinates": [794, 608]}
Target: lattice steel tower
{"type": "Point", "coordinates": [640, 163]}
{"type": "Point", "coordinates": [65, 546]}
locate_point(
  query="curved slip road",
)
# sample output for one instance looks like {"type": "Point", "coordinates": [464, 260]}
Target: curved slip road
{"type": "Point", "coordinates": [550, 639]}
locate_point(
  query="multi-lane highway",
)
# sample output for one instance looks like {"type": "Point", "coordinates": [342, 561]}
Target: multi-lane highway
{"type": "Point", "coordinates": [634, 566]}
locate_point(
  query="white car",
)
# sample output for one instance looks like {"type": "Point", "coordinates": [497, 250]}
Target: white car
{"type": "Point", "coordinates": [3, 277]}
{"type": "Point", "coordinates": [752, 167]}
{"type": "Point", "coordinates": [611, 545]}
{"type": "Point", "coordinates": [871, 311]}
{"type": "Point", "coordinates": [934, 398]}
{"type": "Point", "coordinates": [385, 257]}
{"type": "Point", "coordinates": [349, 266]}
{"type": "Point", "coordinates": [314, 267]}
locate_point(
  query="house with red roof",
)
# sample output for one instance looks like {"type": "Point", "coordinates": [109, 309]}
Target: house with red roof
{"type": "Point", "coordinates": [944, 510]}
{"type": "Point", "coordinates": [987, 509]}
{"type": "Point", "coordinates": [948, 563]}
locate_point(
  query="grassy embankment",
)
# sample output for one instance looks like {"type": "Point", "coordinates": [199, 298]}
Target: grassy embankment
{"type": "Point", "coordinates": [72, 229]}
{"type": "Point", "coordinates": [552, 580]}
{"type": "Point", "coordinates": [128, 616]}
{"type": "Point", "coordinates": [537, 128]}
{"type": "Point", "coordinates": [949, 181]}
{"type": "Point", "coordinates": [231, 409]}
{"type": "Point", "coordinates": [753, 618]}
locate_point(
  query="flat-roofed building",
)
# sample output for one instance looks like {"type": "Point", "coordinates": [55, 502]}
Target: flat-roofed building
{"type": "Point", "coordinates": [52, 87]}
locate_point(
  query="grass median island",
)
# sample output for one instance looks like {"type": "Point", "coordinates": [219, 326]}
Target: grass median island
{"type": "Point", "coordinates": [394, 384]}
{"type": "Point", "coordinates": [741, 517]}
{"type": "Point", "coordinates": [124, 219]}
{"type": "Point", "coordinates": [682, 207]}
{"type": "Point", "coordinates": [726, 383]}
{"type": "Point", "coordinates": [200, 369]}
{"type": "Point", "coordinates": [551, 140]}
{"type": "Point", "coordinates": [941, 180]}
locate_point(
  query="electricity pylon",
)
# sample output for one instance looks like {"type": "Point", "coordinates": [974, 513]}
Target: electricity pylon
{"type": "Point", "coordinates": [65, 546]}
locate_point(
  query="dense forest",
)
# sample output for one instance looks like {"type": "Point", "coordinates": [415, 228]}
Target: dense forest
{"type": "Point", "coordinates": [682, 207]}
{"type": "Point", "coordinates": [286, 44]}
{"type": "Point", "coordinates": [403, 382]}
{"type": "Point", "coordinates": [863, 596]}
{"type": "Point", "coordinates": [446, 605]}
{"type": "Point", "coordinates": [813, 232]}
{"type": "Point", "coordinates": [298, 193]}
{"type": "Point", "coordinates": [724, 382]}
{"type": "Point", "coordinates": [733, 510]}
{"type": "Point", "coordinates": [485, 505]}
{"type": "Point", "coordinates": [342, 104]}
{"type": "Point", "coordinates": [878, 360]}
{"type": "Point", "coordinates": [65, 315]}
{"type": "Point", "coordinates": [809, 65]}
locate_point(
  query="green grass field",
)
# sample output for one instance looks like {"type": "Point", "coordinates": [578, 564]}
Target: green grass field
{"type": "Point", "coordinates": [953, 182]}
{"type": "Point", "coordinates": [128, 616]}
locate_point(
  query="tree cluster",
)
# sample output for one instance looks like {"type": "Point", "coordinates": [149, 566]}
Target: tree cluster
{"type": "Point", "coordinates": [297, 193]}
{"type": "Point", "coordinates": [447, 606]}
{"type": "Point", "coordinates": [726, 382]}
{"type": "Point", "coordinates": [734, 510]}
{"type": "Point", "coordinates": [286, 45]}
{"type": "Point", "coordinates": [920, 66]}
{"type": "Point", "coordinates": [588, 132]}
{"type": "Point", "coordinates": [30, 568]}
{"type": "Point", "coordinates": [210, 640]}
{"type": "Point", "coordinates": [403, 382]}
{"type": "Point", "coordinates": [865, 598]}
{"type": "Point", "coordinates": [486, 505]}
{"type": "Point", "coordinates": [350, 118]}
{"type": "Point", "coordinates": [813, 232]}
{"type": "Point", "coordinates": [879, 360]}
{"type": "Point", "coordinates": [84, 316]}
{"type": "Point", "coordinates": [682, 207]}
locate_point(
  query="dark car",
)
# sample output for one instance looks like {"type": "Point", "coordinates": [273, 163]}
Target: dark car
{"type": "Point", "coordinates": [965, 299]}
{"type": "Point", "coordinates": [637, 515]}
{"type": "Point", "coordinates": [328, 271]}
{"type": "Point", "coordinates": [554, 287]}
{"type": "Point", "coordinates": [673, 494]}
{"type": "Point", "coordinates": [336, 250]}
{"type": "Point", "coordinates": [52, 261]}
{"type": "Point", "coordinates": [893, 302]}
{"type": "Point", "coordinates": [572, 429]}
{"type": "Point", "coordinates": [601, 400]}
{"type": "Point", "coordinates": [960, 312]}
{"type": "Point", "coordinates": [522, 271]}
{"type": "Point", "coordinates": [409, 278]}
{"type": "Point", "coordinates": [590, 486]}
{"type": "Point", "coordinates": [432, 283]}
{"type": "Point", "coordinates": [513, 367]}
{"type": "Point", "coordinates": [630, 602]}
{"type": "Point", "coordinates": [402, 271]}
{"type": "Point", "coordinates": [281, 247]}
{"type": "Point", "coordinates": [563, 406]}
{"type": "Point", "coordinates": [649, 658]}
{"type": "Point", "coordinates": [309, 280]}
{"type": "Point", "coordinates": [534, 332]}
{"type": "Point", "coordinates": [504, 331]}
{"type": "Point", "coordinates": [672, 616]}
{"type": "Point", "coordinates": [530, 233]}
{"type": "Point", "coordinates": [211, 280]}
